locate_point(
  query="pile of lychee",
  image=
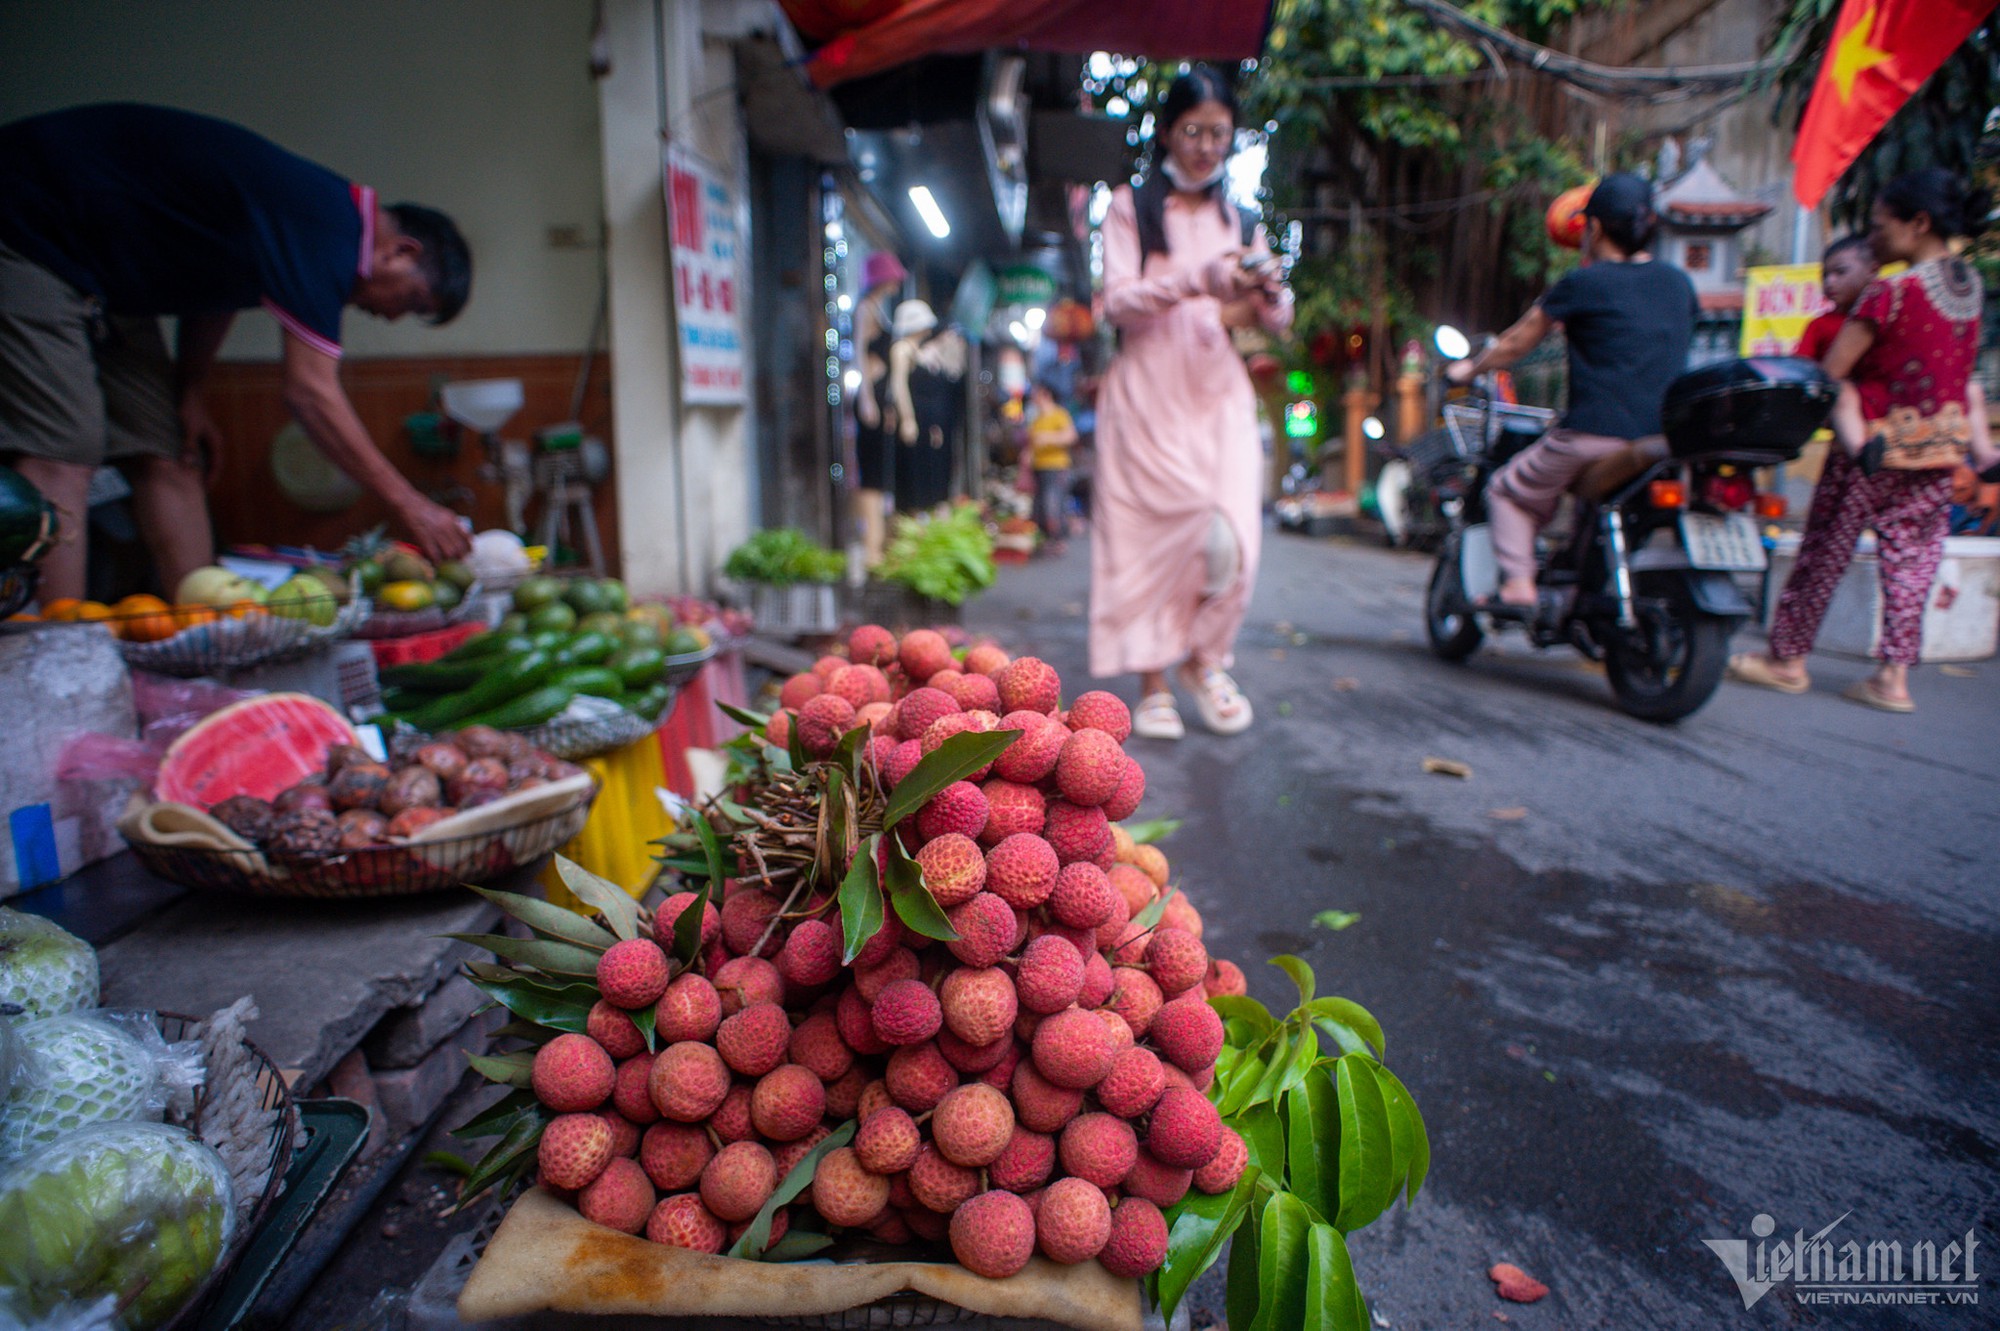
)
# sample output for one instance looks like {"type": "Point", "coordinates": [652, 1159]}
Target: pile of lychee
{"type": "Point", "coordinates": [1036, 1085]}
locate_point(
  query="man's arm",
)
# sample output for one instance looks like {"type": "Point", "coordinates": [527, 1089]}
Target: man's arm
{"type": "Point", "coordinates": [314, 395]}
{"type": "Point", "coordinates": [197, 340]}
{"type": "Point", "coordinates": [1506, 349]}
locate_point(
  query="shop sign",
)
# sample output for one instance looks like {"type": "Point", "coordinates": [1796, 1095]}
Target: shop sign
{"type": "Point", "coordinates": [708, 294]}
{"type": "Point", "coordinates": [1778, 302]}
{"type": "Point", "coordinates": [1024, 285]}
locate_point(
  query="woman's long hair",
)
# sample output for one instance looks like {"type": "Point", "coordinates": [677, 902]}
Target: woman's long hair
{"type": "Point", "coordinates": [1954, 209]}
{"type": "Point", "coordinates": [1198, 85]}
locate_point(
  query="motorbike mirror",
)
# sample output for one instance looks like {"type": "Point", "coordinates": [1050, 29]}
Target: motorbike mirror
{"type": "Point", "coordinates": [1451, 343]}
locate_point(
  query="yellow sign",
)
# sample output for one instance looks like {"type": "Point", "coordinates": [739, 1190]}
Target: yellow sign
{"type": "Point", "coordinates": [1778, 302]}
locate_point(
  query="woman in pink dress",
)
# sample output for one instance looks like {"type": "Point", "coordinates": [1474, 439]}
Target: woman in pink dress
{"type": "Point", "coordinates": [1909, 411]}
{"type": "Point", "coordinates": [1177, 508]}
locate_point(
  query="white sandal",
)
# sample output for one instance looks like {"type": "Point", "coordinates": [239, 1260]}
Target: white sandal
{"type": "Point", "coordinates": [1158, 718]}
{"type": "Point", "coordinates": [1224, 709]}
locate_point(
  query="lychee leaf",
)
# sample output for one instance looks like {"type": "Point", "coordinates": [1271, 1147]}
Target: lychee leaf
{"type": "Point", "coordinates": [515, 1069]}
{"type": "Point", "coordinates": [1153, 829]}
{"type": "Point", "coordinates": [758, 1236]}
{"type": "Point", "coordinates": [1150, 916]}
{"type": "Point", "coordinates": [1412, 1142]}
{"type": "Point", "coordinates": [1263, 1136]}
{"type": "Point", "coordinates": [1312, 1155]}
{"type": "Point", "coordinates": [954, 760]}
{"type": "Point", "coordinates": [1333, 1299]}
{"type": "Point", "coordinates": [1367, 1185]}
{"type": "Point", "coordinates": [797, 1245]}
{"type": "Point", "coordinates": [1302, 974]}
{"type": "Point", "coordinates": [1237, 1007]}
{"type": "Point", "coordinates": [915, 905]}
{"type": "Point", "coordinates": [606, 897]}
{"type": "Point", "coordinates": [556, 1010]}
{"type": "Point", "coordinates": [1242, 1082]}
{"type": "Point", "coordinates": [541, 953]}
{"type": "Point", "coordinates": [848, 756]}
{"type": "Point", "coordinates": [550, 920]}
{"type": "Point", "coordinates": [511, 1157]}
{"type": "Point", "coordinates": [1281, 1265]}
{"type": "Point", "coordinates": [742, 716]}
{"type": "Point", "coordinates": [1199, 1225]}
{"type": "Point", "coordinates": [495, 1118]}
{"type": "Point", "coordinates": [646, 1019]}
{"type": "Point", "coordinates": [1346, 1012]}
{"type": "Point", "coordinates": [1241, 1299]}
{"type": "Point", "coordinates": [860, 902]}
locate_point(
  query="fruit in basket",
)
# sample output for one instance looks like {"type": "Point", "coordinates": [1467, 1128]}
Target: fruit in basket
{"type": "Point", "coordinates": [76, 1070]}
{"type": "Point", "coordinates": [685, 641]}
{"type": "Point", "coordinates": [407, 595]}
{"type": "Point", "coordinates": [330, 578]}
{"type": "Point", "coordinates": [143, 618]}
{"type": "Point", "coordinates": [480, 775]}
{"type": "Point", "coordinates": [412, 821]}
{"type": "Point", "coordinates": [44, 969]}
{"type": "Point", "coordinates": [310, 793]}
{"type": "Point", "coordinates": [136, 1212]}
{"type": "Point", "coordinates": [554, 617]}
{"type": "Point", "coordinates": [402, 564]}
{"type": "Point", "coordinates": [303, 596]}
{"type": "Point", "coordinates": [246, 815]}
{"type": "Point", "coordinates": [446, 596]}
{"type": "Point", "coordinates": [456, 573]}
{"type": "Point", "coordinates": [532, 594]}
{"type": "Point", "coordinates": [304, 832]}
{"type": "Point", "coordinates": [358, 786]}
{"type": "Point", "coordinates": [255, 747]}
{"type": "Point", "coordinates": [447, 760]}
{"type": "Point", "coordinates": [411, 787]}
{"type": "Point", "coordinates": [362, 828]}
{"type": "Point", "coordinates": [216, 587]}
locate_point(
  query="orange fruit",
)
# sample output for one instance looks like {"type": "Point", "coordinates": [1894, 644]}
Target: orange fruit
{"type": "Point", "coordinates": [187, 616]}
{"type": "Point", "coordinates": [144, 618]}
{"type": "Point", "coordinates": [244, 609]}
{"type": "Point", "coordinates": [62, 610]}
{"type": "Point", "coordinates": [93, 612]}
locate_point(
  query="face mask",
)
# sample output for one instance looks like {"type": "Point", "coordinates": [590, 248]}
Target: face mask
{"type": "Point", "coordinates": [1183, 181]}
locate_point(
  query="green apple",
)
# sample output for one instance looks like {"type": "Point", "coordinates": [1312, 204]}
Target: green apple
{"type": "Point", "coordinates": [303, 597]}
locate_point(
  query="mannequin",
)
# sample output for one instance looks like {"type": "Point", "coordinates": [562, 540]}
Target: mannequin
{"type": "Point", "coordinates": [874, 426]}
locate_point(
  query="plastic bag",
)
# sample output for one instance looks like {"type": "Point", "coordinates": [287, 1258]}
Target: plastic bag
{"type": "Point", "coordinates": [87, 1068]}
{"type": "Point", "coordinates": [140, 1211]}
{"type": "Point", "coordinates": [167, 709]}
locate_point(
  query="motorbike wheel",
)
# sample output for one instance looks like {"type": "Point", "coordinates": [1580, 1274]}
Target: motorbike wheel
{"type": "Point", "coordinates": [1670, 665]}
{"type": "Point", "coordinates": [1454, 631]}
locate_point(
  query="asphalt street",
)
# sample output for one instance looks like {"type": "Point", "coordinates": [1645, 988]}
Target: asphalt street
{"type": "Point", "coordinates": [1646, 983]}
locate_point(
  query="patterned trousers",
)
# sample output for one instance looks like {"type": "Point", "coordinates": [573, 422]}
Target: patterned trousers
{"type": "Point", "coordinates": [1910, 512]}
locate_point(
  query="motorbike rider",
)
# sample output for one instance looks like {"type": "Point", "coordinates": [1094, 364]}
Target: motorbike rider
{"type": "Point", "coordinates": [1628, 320]}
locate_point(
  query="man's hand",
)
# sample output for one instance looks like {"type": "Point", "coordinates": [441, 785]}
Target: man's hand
{"type": "Point", "coordinates": [201, 441]}
{"type": "Point", "coordinates": [1459, 373]}
{"type": "Point", "coordinates": [435, 529]}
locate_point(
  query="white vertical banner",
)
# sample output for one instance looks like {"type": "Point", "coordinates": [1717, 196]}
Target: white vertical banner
{"type": "Point", "coordinates": [702, 229]}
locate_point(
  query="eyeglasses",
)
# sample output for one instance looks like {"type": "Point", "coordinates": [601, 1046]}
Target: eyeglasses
{"type": "Point", "coordinates": [1205, 133]}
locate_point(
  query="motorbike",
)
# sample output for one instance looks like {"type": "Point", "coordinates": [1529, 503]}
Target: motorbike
{"type": "Point", "coordinates": [1645, 579]}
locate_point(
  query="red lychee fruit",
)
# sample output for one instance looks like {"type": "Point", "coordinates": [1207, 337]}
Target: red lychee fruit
{"type": "Point", "coordinates": [1039, 1103]}
{"type": "Point", "coordinates": [1136, 889]}
{"type": "Point", "coordinates": [1113, 928]}
{"type": "Point", "coordinates": [1073, 1221]}
{"type": "Point", "coordinates": [959, 807]}
{"type": "Point", "coordinates": [971, 1125]}
{"type": "Point", "coordinates": [688, 1081]}
{"type": "Point", "coordinates": [572, 1073]}
{"type": "Point", "coordinates": [974, 693]}
{"type": "Point", "coordinates": [979, 1004]}
{"type": "Point", "coordinates": [1072, 1048]}
{"type": "Point", "coordinates": [1137, 1243]}
{"type": "Point", "coordinates": [811, 954]}
{"type": "Point", "coordinates": [924, 652]}
{"type": "Point", "coordinates": [674, 1154]}
{"type": "Point", "coordinates": [1160, 1184]}
{"type": "Point", "coordinates": [845, 1193]}
{"type": "Point", "coordinates": [816, 1044]}
{"type": "Point", "coordinates": [1098, 710]}
{"type": "Point", "coordinates": [738, 1181]}
{"type": "Point", "coordinates": [917, 1077]}
{"type": "Point", "coordinates": [754, 1040]}
{"type": "Point", "coordinates": [1134, 997]}
{"type": "Point", "coordinates": [921, 709]}
{"type": "Point", "coordinates": [1082, 896]}
{"type": "Point", "coordinates": [1012, 807]}
{"type": "Point", "coordinates": [843, 1097]}
{"type": "Point", "coordinates": [1185, 1131]}
{"type": "Point", "coordinates": [778, 734]}
{"type": "Point", "coordinates": [1134, 1083]}
{"type": "Point", "coordinates": [1076, 831]}
{"type": "Point", "coordinates": [743, 982]}
{"type": "Point", "coordinates": [993, 1234]}
{"type": "Point", "coordinates": [669, 914]}
{"type": "Point", "coordinates": [1050, 975]}
{"type": "Point", "coordinates": [1033, 756]}
{"type": "Point", "coordinates": [887, 939]}
{"type": "Point", "coordinates": [1220, 1174]}
{"type": "Point", "coordinates": [901, 964]}
{"type": "Point", "coordinates": [683, 1222]}
{"type": "Point", "coordinates": [629, 1095]}
{"type": "Point", "coordinates": [1100, 1148]}
{"type": "Point", "coordinates": [746, 916]}
{"type": "Point", "coordinates": [1179, 913]}
{"type": "Point", "coordinates": [613, 1029]}
{"type": "Point", "coordinates": [800, 689]}
{"type": "Point", "coordinates": [907, 1012]}
{"type": "Point", "coordinates": [1224, 977]}
{"type": "Point", "coordinates": [860, 685]}
{"type": "Point", "coordinates": [787, 1155]}
{"type": "Point", "coordinates": [983, 658]}
{"type": "Point", "coordinates": [972, 1059]}
{"type": "Point", "coordinates": [1125, 800]}
{"type": "Point", "coordinates": [1022, 870]}
{"type": "Point", "coordinates": [731, 1120]}
{"type": "Point", "coordinates": [1028, 684]}
{"type": "Point", "coordinates": [938, 1184]}
{"type": "Point", "coordinates": [1089, 767]}
{"type": "Point", "coordinates": [1098, 981]}
{"type": "Point", "coordinates": [1175, 959]}
{"type": "Point", "coordinates": [620, 1198]}
{"type": "Point", "coordinates": [857, 1023]}
{"type": "Point", "coordinates": [875, 1095]}
{"type": "Point", "coordinates": [887, 1141]}
{"type": "Point", "coordinates": [822, 721]}
{"type": "Point", "coordinates": [826, 665]}
{"type": "Point", "coordinates": [1187, 1032]}
{"type": "Point", "coordinates": [1025, 1162]}
{"type": "Point", "coordinates": [1001, 1075]}
{"type": "Point", "coordinates": [902, 760]}
{"type": "Point", "coordinates": [986, 928]}
{"type": "Point", "coordinates": [788, 1103]}
{"type": "Point", "coordinates": [574, 1150]}
{"type": "Point", "coordinates": [954, 868]}
{"type": "Point", "coordinates": [691, 1008]}
{"type": "Point", "coordinates": [871, 644]}
{"type": "Point", "coordinates": [624, 1132]}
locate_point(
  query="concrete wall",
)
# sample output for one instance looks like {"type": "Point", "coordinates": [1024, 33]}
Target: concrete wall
{"type": "Point", "coordinates": [483, 108]}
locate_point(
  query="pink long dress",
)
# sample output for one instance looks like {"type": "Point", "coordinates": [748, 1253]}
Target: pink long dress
{"type": "Point", "coordinates": [1177, 444]}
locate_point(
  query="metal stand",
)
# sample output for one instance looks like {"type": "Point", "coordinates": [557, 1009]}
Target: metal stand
{"type": "Point", "coordinates": [566, 497]}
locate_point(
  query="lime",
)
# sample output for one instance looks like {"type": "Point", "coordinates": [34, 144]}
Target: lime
{"type": "Point", "coordinates": [551, 617]}
{"type": "Point", "coordinates": [447, 593]}
{"type": "Point", "coordinates": [615, 597]}
{"type": "Point", "coordinates": [682, 641]}
{"type": "Point", "coordinates": [455, 573]}
{"type": "Point", "coordinates": [515, 622]}
{"type": "Point", "coordinates": [536, 592]}
{"type": "Point", "coordinates": [585, 597]}
{"type": "Point", "coordinates": [611, 625]}
{"type": "Point", "coordinates": [641, 633]}
{"type": "Point", "coordinates": [370, 574]}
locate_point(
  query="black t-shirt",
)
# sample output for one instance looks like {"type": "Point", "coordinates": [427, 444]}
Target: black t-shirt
{"type": "Point", "coordinates": [1628, 327]}
{"type": "Point", "coordinates": [158, 211]}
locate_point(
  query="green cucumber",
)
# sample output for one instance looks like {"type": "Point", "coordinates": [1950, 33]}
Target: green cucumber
{"type": "Point", "coordinates": [509, 678]}
{"type": "Point", "coordinates": [488, 645]}
{"type": "Point", "coordinates": [593, 680]}
{"type": "Point", "coordinates": [436, 677]}
{"type": "Point", "coordinates": [588, 648]}
{"type": "Point", "coordinates": [530, 709]}
{"type": "Point", "coordinates": [638, 666]}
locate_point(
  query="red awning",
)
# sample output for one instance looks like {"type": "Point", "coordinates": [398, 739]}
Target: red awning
{"type": "Point", "coordinates": [1159, 29]}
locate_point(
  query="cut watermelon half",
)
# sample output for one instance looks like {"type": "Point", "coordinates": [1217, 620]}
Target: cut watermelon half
{"type": "Point", "coordinates": [257, 747]}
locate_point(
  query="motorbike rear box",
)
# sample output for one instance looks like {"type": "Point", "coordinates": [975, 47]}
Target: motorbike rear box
{"type": "Point", "coordinates": [1760, 411]}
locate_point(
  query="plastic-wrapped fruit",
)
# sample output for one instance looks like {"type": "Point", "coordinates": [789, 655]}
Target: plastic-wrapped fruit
{"type": "Point", "coordinates": [412, 787]}
{"type": "Point", "coordinates": [44, 969]}
{"type": "Point", "coordinates": [447, 760]}
{"type": "Point", "coordinates": [361, 828]}
{"type": "Point", "coordinates": [308, 794]}
{"type": "Point", "coordinates": [358, 786]}
{"type": "Point", "coordinates": [76, 1070]}
{"type": "Point", "coordinates": [479, 774]}
{"type": "Point", "coordinates": [412, 821]}
{"type": "Point", "coordinates": [245, 815]}
{"type": "Point", "coordinates": [137, 1211]}
{"type": "Point", "coordinates": [481, 742]}
{"type": "Point", "coordinates": [304, 832]}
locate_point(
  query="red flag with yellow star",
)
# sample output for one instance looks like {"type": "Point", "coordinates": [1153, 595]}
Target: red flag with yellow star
{"type": "Point", "coordinates": [1881, 53]}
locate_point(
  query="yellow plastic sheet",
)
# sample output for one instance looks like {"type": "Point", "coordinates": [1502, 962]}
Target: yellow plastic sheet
{"type": "Point", "coordinates": [628, 815]}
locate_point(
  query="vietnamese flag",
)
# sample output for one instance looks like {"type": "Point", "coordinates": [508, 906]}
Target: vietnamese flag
{"type": "Point", "coordinates": [1881, 53]}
